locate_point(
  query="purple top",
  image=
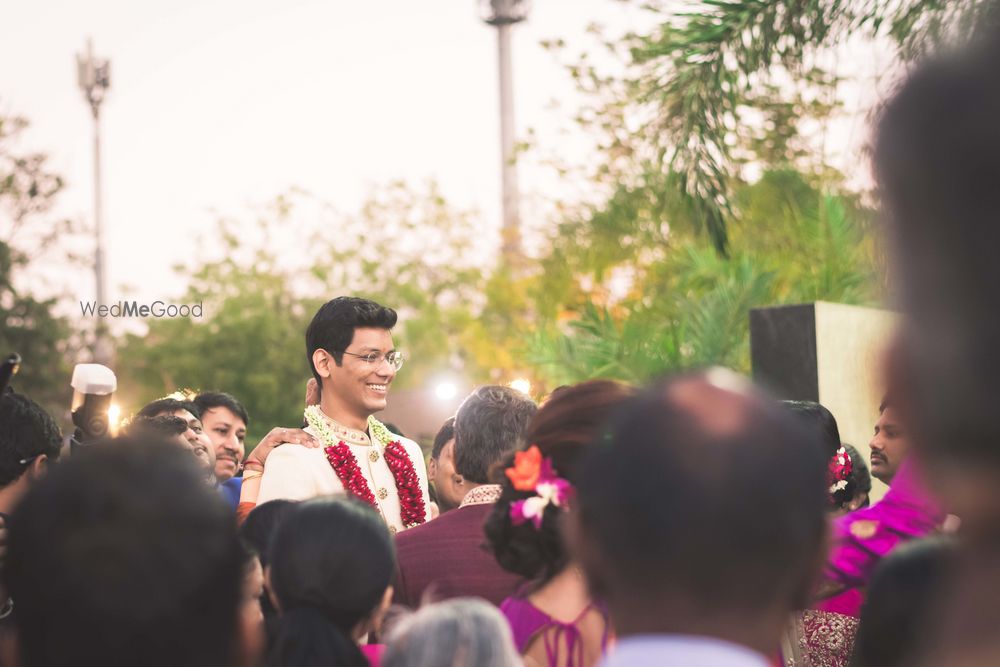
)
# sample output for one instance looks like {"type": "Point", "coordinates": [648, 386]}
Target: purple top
{"type": "Point", "coordinates": [528, 621]}
{"type": "Point", "coordinates": [862, 538]}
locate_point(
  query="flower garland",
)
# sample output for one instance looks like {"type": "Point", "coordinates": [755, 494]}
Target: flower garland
{"type": "Point", "coordinates": [346, 466]}
{"type": "Point", "coordinates": [532, 473]}
{"type": "Point", "coordinates": [838, 470]}
{"type": "Point", "coordinates": [412, 510]}
{"type": "Point", "coordinates": [411, 498]}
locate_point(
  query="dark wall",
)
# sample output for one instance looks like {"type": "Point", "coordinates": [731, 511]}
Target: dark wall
{"type": "Point", "coordinates": [783, 351]}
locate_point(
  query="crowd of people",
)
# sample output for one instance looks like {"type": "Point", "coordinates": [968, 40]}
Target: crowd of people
{"type": "Point", "coordinates": [695, 521]}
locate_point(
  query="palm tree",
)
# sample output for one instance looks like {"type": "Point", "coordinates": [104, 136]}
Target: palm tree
{"type": "Point", "coordinates": [688, 306]}
{"type": "Point", "coordinates": [699, 68]}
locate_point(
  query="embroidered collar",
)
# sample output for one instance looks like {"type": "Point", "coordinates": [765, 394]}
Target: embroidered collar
{"type": "Point", "coordinates": [486, 494]}
{"type": "Point", "coordinates": [342, 433]}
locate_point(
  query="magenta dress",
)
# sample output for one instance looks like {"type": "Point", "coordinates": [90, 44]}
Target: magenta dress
{"type": "Point", "coordinates": [864, 537]}
{"type": "Point", "coordinates": [528, 621]}
{"type": "Point", "coordinates": [824, 635]}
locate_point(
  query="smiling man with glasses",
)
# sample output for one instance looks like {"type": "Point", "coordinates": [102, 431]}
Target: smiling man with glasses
{"type": "Point", "coordinates": [353, 358]}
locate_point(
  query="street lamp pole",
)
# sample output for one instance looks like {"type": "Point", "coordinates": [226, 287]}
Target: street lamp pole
{"type": "Point", "coordinates": [503, 14]}
{"type": "Point", "coordinates": [94, 79]}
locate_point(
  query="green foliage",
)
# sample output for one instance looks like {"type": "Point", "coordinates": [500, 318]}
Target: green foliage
{"type": "Point", "coordinates": [696, 76]}
{"type": "Point", "coordinates": [248, 344]}
{"type": "Point", "coordinates": [684, 305]}
{"type": "Point", "coordinates": [659, 271]}
{"type": "Point", "coordinates": [29, 325]}
{"type": "Point", "coordinates": [412, 250]}
{"type": "Point", "coordinates": [655, 270]}
{"type": "Point", "coordinates": [405, 248]}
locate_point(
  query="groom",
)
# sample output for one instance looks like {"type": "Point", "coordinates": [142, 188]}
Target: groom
{"type": "Point", "coordinates": [350, 349]}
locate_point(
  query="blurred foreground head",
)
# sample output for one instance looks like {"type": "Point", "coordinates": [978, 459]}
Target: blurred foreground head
{"type": "Point", "coordinates": [331, 562]}
{"type": "Point", "coordinates": [904, 603]}
{"type": "Point", "coordinates": [937, 162]}
{"type": "Point", "coordinates": [123, 556]}
{"type": "Point", "coordinates": [683, 525]}
{"type": "Point", "coordinates": [938, 165]}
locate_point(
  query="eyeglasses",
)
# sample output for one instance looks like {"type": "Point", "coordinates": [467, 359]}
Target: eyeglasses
{"type": "Point", "coordinates": [394, 358]}
{"type": "Point", "coordinates": [30, 459]}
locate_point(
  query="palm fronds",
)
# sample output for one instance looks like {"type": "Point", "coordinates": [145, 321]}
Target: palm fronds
{"type": "Point", "coordinates": [699, 68]}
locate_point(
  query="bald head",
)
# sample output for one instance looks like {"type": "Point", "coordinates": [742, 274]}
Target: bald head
{"type": "Point", "coordinates": [719, 402]}
{"type": "Point", "coordinates": [705, 492]}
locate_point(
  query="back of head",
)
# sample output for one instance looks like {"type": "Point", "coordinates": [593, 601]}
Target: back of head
{"type": "Point", "coordinates": [26, 432]}
{"type": "Point", "coordinates": [903, 604]}
{"type": "Point", "coordinates": [860, 479]}
{"type": "Point", "coordinates": [461, 632]}
{"type": "Point", "coordinates": [489, 424]}
{"type": "Point", "coordinates": [123, 556]}
{"type": "Point", "coordinates": [331, 561]}
{"type": "Point", "coordinates": [444, 435]}
{"type": "Point", "coordinates": [332, 327]}
{"type": "Point", "coordinates": [261, 524]}
{"type": "Point", "coordinates": [815, 416]}
{"type": "Point", "coordinates": [209, 400]}
{"type": "Point", "coordinates": [563, 429]}
{"type": "Point", "coordinates": [937, 162]}
{"type": "Point", "coordinates": [679, 507]}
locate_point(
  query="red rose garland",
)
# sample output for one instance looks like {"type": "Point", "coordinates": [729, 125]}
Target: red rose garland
{"type": "Point", "coordinates": [411, 499]}
{"type": "Point", "coordinates": [346, 466]}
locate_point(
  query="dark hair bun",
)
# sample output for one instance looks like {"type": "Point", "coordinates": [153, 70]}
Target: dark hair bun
{"type": "Point", "coordinates": [563, 430]}
{"type": "Point", "coordinates": [524, 550]}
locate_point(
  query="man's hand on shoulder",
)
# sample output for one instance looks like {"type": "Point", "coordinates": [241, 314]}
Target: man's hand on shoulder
{"type": "Point", "coordinates": [275, 438]}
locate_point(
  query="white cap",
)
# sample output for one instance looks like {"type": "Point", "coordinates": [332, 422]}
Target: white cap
{"type": "Point", "coordinates": [94, 379]}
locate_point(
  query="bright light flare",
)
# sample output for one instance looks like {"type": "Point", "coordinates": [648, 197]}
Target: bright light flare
{"type": "Point", "coordinates": [114, 417]}
{"type": "Point", "coordinates": [522, 385]}
{"type": "Point", "coordinates": [446, 391]}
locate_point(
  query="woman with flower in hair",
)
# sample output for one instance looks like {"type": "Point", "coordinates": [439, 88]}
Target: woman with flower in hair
{"type": "Point", "coordinates": [553, 618]}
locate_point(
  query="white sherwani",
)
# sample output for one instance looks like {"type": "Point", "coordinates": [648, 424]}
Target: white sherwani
{"type": "Point", "coordinates": [295, 472]}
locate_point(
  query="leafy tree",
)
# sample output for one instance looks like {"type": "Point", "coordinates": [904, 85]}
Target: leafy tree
{"type": "Point", "coordinates": [249, 342]}
{"type": "Point", "coordinates": [410, 249]}
{"type": "Point", "coordinates": [695, 75]}
{"type": "Point", "coordinates": [682, 305]}
{"type": "Point", "coordinates": [633, 284]}
{"type": "Point", "coordinates": [29, 325]}
{"type": "Point", "coordinates": [406, 248]}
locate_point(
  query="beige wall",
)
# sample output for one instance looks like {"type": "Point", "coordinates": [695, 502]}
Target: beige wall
{"type": "Point", "coordinates": [850, 344]}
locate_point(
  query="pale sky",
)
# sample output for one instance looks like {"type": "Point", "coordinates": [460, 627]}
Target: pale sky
{"type": "Point", "coordinates": [223, 104]}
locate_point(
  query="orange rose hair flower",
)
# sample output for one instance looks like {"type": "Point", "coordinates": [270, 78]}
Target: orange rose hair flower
{"type": "Point", "coordinates": [523, 475]}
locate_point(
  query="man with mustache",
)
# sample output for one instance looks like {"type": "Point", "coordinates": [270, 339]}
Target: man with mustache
{"type": "Point", "coordinates": [353, 358]}
{"type": "Point", "coordinates": [907, 512]}
{"type": "Point", "coordinates": [225, 420]}
{"type": "Point", "coordinates": [889, 445]}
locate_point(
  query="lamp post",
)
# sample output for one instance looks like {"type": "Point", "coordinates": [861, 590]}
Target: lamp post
{"type": "Point", "coordinates": [503, 14]}
{"type": "Point", "coordinates": [94, 79]}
